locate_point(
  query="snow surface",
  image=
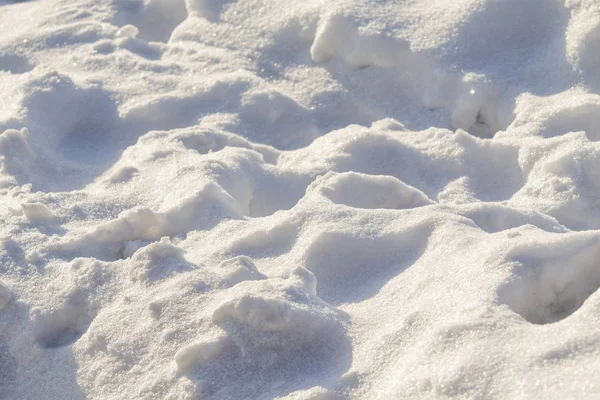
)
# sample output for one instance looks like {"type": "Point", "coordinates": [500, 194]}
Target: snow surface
{"type": "Point", "coordinates": [320, 199]}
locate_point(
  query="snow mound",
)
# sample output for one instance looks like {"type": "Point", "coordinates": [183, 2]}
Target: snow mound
{"type": "Point", "coordinates": [272, 330]}
{"type": "Point", "coordinates": [366, 191]}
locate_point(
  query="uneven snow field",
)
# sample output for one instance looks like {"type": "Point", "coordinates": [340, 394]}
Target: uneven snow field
{"type": "Point", "coordinates": [321, 199]}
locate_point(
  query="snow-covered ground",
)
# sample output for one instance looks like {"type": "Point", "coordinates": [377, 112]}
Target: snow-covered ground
{"type": "Point", "coordinates": [318, 199]}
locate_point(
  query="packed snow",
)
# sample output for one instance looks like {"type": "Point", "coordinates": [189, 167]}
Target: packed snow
{"type": "Point", "coordinates": [319, 200]}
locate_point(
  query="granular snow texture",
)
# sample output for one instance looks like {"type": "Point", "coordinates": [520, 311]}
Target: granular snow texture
{"type": "Point", "coordinates": [320, 199]}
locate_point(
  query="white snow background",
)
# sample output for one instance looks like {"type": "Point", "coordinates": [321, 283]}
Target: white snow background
{"type": "Point", "coordinates": [299, 199]}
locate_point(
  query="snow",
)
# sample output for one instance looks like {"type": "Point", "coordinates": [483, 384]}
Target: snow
{"type": "Point", "coordinates": [260, 199]}
{"type": "Point", "coordinates": [37, 212]}
{"type": "Point", "coordinates": [5, 295]}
